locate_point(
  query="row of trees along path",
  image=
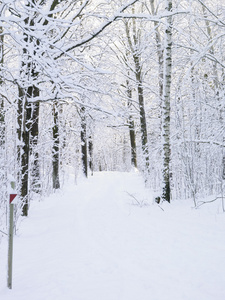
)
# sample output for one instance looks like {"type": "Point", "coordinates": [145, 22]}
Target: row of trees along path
{"type": "Point", "coordinates": [98, 86]}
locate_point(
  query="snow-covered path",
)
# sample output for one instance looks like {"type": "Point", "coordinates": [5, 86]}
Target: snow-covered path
{"type": "Point", "coordinates": [89, 242]}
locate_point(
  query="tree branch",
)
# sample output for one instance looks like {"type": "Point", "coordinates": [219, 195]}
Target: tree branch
{"type": "Point", "coordinates": [98, 31]}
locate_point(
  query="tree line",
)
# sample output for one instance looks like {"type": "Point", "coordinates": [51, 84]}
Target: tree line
{"type": "Point", "coordinates": [112, 85]}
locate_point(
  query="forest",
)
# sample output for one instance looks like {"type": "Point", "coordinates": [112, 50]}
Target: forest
{"type": "Point", "coordinates": [112, 85]}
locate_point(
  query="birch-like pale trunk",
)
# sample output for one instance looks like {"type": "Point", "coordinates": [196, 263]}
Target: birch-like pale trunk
{"type": "Point", "coordinates": [167, 74]}
{"type": "Point", "coordinates": [159, 49]}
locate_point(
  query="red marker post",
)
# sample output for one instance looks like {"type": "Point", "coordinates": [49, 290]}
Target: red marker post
{"type": "Point", "coordinates": [11, 198]}
{"type": "Point", "coordinates": [10, 250]}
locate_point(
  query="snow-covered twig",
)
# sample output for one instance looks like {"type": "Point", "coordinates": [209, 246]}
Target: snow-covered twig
{"type": "Point", "coordinates": [140, 203]}
{"type": "Point", "coordinates": [3, 232]}
{"type": "Point", "coordinates": [200, 203]}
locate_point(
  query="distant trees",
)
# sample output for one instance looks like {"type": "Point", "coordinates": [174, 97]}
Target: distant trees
{"type": "Point", "coordinates": [198, 102]}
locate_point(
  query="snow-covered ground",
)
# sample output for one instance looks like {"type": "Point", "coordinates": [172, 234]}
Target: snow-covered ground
{"type": "Point", "coordinates": [92, 241]}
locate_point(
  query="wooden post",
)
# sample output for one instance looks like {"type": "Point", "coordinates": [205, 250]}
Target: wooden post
{"type": "Point", "coordinates": [10, 252]}
{"type": "Point", "coordinates": [10, 249]}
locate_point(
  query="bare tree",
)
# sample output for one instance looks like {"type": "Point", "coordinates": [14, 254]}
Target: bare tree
{"type": "Point", "coordinates": [133, 36]}
{"type": "Point", "coordinates": [166, 103]}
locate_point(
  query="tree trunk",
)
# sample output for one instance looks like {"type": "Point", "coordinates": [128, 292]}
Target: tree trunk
{"type": "Point", "coordinates": [144, 135]}
{"type": "Point", "coordinates": [90, 150]}
{"type": "Point", "coordinates": [132, 130]}
{"type": "Point", "coordinates": [23, 113]}
{"type": "Point", "coordinates": [83, 135]}
{"type": "Point", "coordinates": [133, 143]}
{"type": "Point", "coordinates": [27, 117]}
{"type": "Point", "coordinates": [166, 189]}
{"type": "Point", "coordinates": [27, 132]}
{"type": "Point", "coordinates": [140, 91]}
{"type": "Point", "coordinates": [34, 131]}
{"type": "Point", "coordinates": [55, 148]}
{"type": "Point", "coordinates": [159, 51]}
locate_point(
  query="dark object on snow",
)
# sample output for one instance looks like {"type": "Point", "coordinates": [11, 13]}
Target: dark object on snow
{"type": "Point", "coordinates": [157, 200]}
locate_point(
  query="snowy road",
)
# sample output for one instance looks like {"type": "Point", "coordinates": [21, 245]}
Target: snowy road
{"type": "Point", "coordinates": [90, 242]}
